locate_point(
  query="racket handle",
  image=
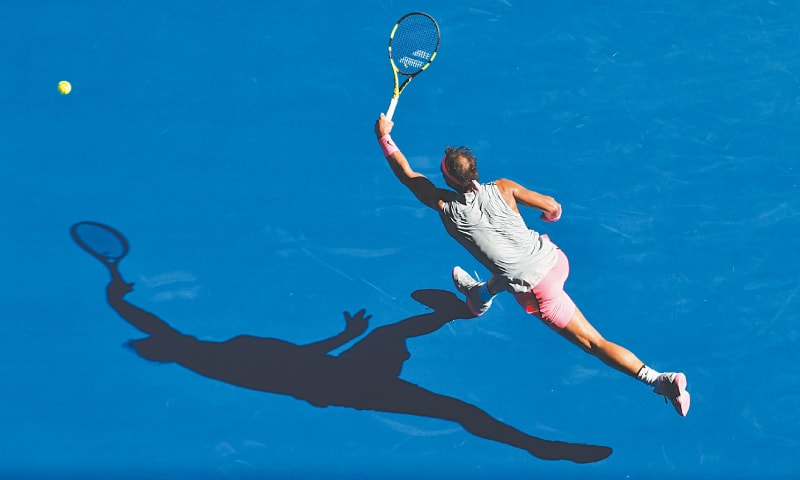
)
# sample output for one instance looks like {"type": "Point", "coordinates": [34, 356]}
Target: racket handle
{"type": "Point", "coordinates": [390, 110]}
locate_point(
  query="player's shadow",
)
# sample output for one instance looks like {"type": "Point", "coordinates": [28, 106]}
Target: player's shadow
{"type": "Point", "coordinates": [364, 377]}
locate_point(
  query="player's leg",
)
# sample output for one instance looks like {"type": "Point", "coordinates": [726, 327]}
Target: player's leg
{"type": "Point", "coordinates": [671, 385]}
{"type": "Point", "coordinates": [580, 332]}
{"type": "Point", "coordinates": [549, 302]}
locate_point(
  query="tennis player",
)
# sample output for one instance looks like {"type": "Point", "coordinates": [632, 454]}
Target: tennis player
{"type": "Point", "coordinates": [485, 219]}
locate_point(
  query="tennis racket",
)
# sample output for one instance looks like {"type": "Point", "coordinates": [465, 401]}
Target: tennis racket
{"type": "Point", "coordinates": [102, 242]}
{"type": "Point", "coordinates": [413, 44]}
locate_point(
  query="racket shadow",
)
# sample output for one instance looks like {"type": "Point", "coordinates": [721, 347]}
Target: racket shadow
{"type": "Point", "coordinates": [363, 377]}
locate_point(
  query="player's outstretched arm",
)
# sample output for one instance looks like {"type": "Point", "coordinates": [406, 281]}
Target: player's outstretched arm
{"type": "Point", "coordinates": [418, 183]}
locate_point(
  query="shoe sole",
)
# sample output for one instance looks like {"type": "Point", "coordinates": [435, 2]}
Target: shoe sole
{"type": "Point", "coordinates": [464, 292]}
{"type": "Point", "coordinates": [683, 399]}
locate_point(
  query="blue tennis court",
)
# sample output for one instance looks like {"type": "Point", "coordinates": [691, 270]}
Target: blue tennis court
{"type": "Point", "coordinates": [232, 144]}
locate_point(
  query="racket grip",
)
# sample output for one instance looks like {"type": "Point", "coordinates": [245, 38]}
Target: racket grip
{"type": "Point", "coordinates": [390, 110]}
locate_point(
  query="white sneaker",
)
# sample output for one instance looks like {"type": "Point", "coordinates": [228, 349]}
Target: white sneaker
{"type": "Point", "coordinates": [673, 387]}
{"type": "Point", "coordinates": [469, 287]}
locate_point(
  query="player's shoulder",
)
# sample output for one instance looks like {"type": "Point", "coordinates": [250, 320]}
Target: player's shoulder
{"type": "Point", "coordinates": [506, 184]}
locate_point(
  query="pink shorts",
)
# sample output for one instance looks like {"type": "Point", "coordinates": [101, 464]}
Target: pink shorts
{"type": "Point", "coordinates": [548, 300]}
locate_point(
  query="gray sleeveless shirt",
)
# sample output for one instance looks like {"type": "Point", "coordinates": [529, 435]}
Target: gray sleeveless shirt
{"type": "Point", "coordinates": [497, 236]}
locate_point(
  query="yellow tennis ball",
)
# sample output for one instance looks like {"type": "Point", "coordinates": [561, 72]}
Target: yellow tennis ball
{"type": "Point", "coordinates": [64, 87]}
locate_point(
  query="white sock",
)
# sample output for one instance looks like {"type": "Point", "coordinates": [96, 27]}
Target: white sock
{"type": "Point", "coordinates": [648, 375]}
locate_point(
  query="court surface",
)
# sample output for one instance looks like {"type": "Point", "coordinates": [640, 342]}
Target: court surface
{"type": "Point", "coordinates": [232, 144]}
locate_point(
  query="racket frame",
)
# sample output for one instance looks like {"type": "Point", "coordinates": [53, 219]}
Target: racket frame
{"type": "Point", "coordinates": [398, 87]}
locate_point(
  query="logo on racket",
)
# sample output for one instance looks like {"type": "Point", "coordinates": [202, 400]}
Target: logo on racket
{"type": "Point", "coordinates": [422, 54]}
{"type": "Point", "coordinates": [411, 62]}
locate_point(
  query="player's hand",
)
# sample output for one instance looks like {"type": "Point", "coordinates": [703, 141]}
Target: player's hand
{"type": "Point", "coordinates": [552, 216]}
{"type": "Point", "coordinates": [383, 126]}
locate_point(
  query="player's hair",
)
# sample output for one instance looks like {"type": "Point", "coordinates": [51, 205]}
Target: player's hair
{"type": "Point", "coordinates": [462, 166]}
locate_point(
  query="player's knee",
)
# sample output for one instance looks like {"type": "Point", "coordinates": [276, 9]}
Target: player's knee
{"type": "Point", "coordinates": [597, 345]}
{"type": "Point", "coordinates": [591, 343]}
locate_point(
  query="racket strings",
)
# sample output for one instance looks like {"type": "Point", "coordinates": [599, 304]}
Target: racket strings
{"type": "Point", "coordinates": [414, 43]}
